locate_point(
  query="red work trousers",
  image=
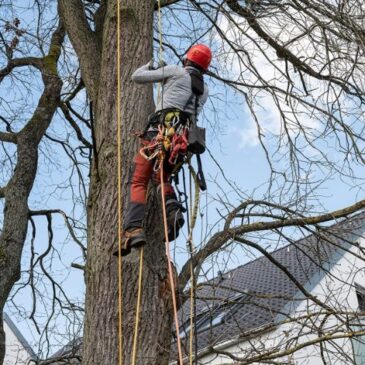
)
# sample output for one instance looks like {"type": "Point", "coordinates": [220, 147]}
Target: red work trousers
{"type": "Point", "coordinates": [143, 173]}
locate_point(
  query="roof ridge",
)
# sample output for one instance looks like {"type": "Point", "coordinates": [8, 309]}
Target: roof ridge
{"type": "Point", "coordinates": [19, 336]}
{"type": "Point", "coordinates": [337, 225]}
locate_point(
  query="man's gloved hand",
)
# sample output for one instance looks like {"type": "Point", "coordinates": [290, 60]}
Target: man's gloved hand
{"type": "Point", "coordinates": [150, 64]}
{"type": "Point", "coordinates": [161, 63]}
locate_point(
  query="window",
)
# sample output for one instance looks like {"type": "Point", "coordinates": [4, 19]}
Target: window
{"type": "Point", "coordinates": [358, 343]}
{"type": "Point", "coordinates": [360, 293]}
{"type": "Point", "coordinates": [214, 316]}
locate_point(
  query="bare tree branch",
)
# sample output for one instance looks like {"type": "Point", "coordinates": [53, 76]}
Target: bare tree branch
{"type": "Point", "coordinates": [84, 42]}
{"type": "Point", "coordinates": [74, 125]}
{"type": "Point", "coordinates": [221, 238]}
{"type": "Point", "coordinates": [33, 213]}
{"type": "Point", "coordinates": [164, 3]}
{"type": "Point", "coordinates": [284, 269]}
{"type": "Point", "coordinates": [20, 62]}
{"type": "Point", "coordinates": [284, 52]}
{"type": "Point", "coordinates": [275, 354]}
{"type": "Point", "coordinates": [78, 266]}
{"type": "Point", "coordinates": [8, 137]}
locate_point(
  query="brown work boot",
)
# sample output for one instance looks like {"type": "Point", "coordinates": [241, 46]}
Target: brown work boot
{"type": "Point", "coordinates": [132, 238]}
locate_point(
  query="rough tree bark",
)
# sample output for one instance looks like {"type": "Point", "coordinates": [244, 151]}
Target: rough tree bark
{"type": "Point", "coordinates": [17, 191]}
{"type": "Point", "coordinates": [99, 73]}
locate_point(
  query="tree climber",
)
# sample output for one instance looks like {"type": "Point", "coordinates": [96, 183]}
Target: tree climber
{"type": "Point", "coordinates": [183, 96]}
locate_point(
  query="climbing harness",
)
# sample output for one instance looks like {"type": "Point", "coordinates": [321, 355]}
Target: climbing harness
{"type": "Point", "coordinates": [172, 138]}
{"type": "Point", "coordinates": [177, 131]}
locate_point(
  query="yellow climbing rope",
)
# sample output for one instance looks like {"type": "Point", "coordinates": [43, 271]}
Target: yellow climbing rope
{"type": "Point", "coordinates": [138, 309]}
{"type": "Point", "coordinates": [119, 207]}
{"type": "Point", "coordinates": [172, 284]}
{"type": "Point", "coordinates": [161, 157]}
{"type": "Point", "coordinates": [119, 172]}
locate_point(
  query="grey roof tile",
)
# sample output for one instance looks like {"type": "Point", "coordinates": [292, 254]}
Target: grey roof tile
{"type": "Point", "coordinates": [303, 259]}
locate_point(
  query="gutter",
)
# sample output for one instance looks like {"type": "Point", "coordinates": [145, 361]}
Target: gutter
{"type": "Point", "coordinates": [223, 345]}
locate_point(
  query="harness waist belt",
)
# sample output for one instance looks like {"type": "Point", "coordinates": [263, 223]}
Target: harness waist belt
{"type": "Point", "coordinates": [161, 115]}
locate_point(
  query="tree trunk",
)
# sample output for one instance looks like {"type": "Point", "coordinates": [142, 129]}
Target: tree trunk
{"type": "Point", "coordinates": [17, 190]}
{"type": "Point", "coordinates": [101, 325]}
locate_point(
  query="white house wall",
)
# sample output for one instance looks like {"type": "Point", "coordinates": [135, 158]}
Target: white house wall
{"type": "Point", "coordinates": [335, 290]}
{"type": "Point", "coordinates": [15, 353]}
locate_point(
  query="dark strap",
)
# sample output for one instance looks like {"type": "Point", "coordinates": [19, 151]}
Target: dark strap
{"type": "Point", "coordinates": [200, 175]}
{"type": "Point", "coordinates": [197, 87]}
{"type": "Point", "coordinates": [189, 101]}
{"type": "Point", "coordinates": [197, 81]}
{"type": "Point", "coordinates": [196, 107]}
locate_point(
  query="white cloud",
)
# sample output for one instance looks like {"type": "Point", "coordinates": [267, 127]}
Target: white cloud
{"type": "Point", "coordinates": [270, 71]}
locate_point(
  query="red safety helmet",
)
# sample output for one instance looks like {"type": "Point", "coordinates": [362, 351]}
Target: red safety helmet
{"type": "Point", "coordinates": [201, 55]}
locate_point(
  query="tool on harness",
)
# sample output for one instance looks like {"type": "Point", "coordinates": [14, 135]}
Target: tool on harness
{"type": "Point", "coordinates": [196, 139]}
{"type": "Point", "coordinates": [171, 139]}
{"type": "Point", "coordinates": [179, 146]}
{"type": "Point", "coordinates": [200, 175]}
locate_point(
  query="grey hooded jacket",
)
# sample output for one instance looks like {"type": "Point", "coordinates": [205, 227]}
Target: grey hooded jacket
{"type": "Point", "coordinates": [176, 87]}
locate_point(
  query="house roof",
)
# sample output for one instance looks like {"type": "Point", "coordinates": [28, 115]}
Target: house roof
{"type": "Point", "coordinates": [71, 353]}
{"type": "Point", "coordinates": [19, 336]}
{"type": "Point", "coordinates": [256, 293]}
